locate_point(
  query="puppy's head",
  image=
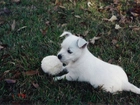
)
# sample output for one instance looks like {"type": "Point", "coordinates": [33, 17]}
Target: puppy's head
{"type": "Point", "coordinates": [72, 48]}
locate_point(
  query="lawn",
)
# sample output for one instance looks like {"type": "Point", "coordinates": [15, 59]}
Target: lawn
{"type": "Point", "coordinates": [30, 30]}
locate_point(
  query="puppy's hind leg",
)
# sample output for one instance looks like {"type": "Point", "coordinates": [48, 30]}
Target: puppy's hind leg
{"type": "Point", "coordinates": [66, 76]}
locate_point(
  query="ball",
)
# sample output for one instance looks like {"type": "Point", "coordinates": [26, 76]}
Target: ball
{"type": "Point", "coordinates": [51, 65]}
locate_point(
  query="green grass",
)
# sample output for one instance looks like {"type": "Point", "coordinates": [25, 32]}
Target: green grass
{"type": "Point", "coordinates": [26, 45]}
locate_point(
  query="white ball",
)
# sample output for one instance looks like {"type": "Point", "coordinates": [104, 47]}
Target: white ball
{"type": "Point", "coordinates": [51, 65]}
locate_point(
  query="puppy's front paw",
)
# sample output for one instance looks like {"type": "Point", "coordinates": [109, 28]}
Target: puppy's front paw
{"type": "Point", "coordinates": [55, 78]}
{"type": "Point", "coordinates": [59, 78]}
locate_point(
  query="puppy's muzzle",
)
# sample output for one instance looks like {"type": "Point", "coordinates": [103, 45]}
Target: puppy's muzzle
{"type": "Point", "coordinates": [59, 56]}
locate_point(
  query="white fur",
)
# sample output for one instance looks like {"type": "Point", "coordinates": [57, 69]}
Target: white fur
{"type": "Point", "coordinates": [83, 66]}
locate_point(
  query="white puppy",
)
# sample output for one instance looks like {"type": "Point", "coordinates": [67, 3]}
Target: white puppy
{"type": "Point", "coordinates": [83, 66]}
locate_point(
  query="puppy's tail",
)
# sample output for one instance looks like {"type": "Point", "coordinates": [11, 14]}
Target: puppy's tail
{"type": "Point", "coordinates": [65, 33]}
{"type": "Point", "coordinates": [130, 87]}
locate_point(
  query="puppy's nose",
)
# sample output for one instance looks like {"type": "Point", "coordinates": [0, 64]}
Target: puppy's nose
{"type": "Point", "coordinates": [59, 56]}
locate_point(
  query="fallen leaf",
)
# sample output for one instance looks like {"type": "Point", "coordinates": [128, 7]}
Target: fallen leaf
{"type": "Point", "coordinates": [101, 8]}
{"type": "Point", "coordinates": [2, 2]}
{"type": "Point", "coordinates": [21, 95]}
{"type": "Point", "coordinates": [89, 4]}
{"type": "Point", "coordinates": [86, 33]}
{"type": "Point", "coordinates": [117, 27]}
{"type": "Point", "coordinates": [137, 1]}
{"type": "Point", "coordinates": [56, 2]}
{"type": "Point", "coordinates": [77, 16]}
{"type": "Point", "coordinates": [44, 31]}
{"type": "Point", "coordinates": [105, 19]}
{"type": "Point", "coordinates": [1, 47]}
{"type": "Point", "coordinates": [47, 23]}
{"type": "Point", "coordinates": [13, 25]}
{"type": "Point", "coordinates": [110, 61]}
{"type": "Point", "coordinates": [113, 18]}
{"type": "Point", "coordinates": [4, 74]}
{"type": "Point", "coordinates": [35, 85]}
{"type": "Point", "coordinates": [134, 28]}
{"type": "Point", "coordinates": [5, 11]}
{"type": "Point", "coordinates": [62, 7]}
{"type": "Point", "coordinates": [74, 2]}
{"type": "Point", "coordinates": [114, 41]}
{"type": "Point", "coordinates": [134, 14]}
{"type": "Point", "coordinates": [1, 22]}
{"type": "Point", "coordinates": [116, 1]}
{"type": "Point", "coordinates": [4, 45]}
{"type": "Point", "coordinates": [63, 25]}
{"type": "Point", "coordinates": [70, 1]}
{"type": "Point", "coordinates": [16, 75]}
{"type": "Point", "coordinates": [21, 28]}
{"type": "Point", "coordinates": [99, 57]}
{"type": "Point", "coordinates": [16, 1]}
{"type": "Point", "coordinates": [123, 19]}
{"type": "Point", "coordinates": [85, 9]}
{"type": "Point", "coordinates": [92, 41]}
{"type": "Point", "coordinates": [110, 8]}
{"type": "Point", "coordinates": [83, 23]}
{"type": "Point", "coordinates": [31, 72]}
{"type": "Point", "coordinates": [10, 81]}
{"type": "Point", "coordinates": [7, 71]}
{"type": "Point", "coordinates": [135, 11]}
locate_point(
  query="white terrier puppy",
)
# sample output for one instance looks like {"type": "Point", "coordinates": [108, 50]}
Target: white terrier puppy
{"type": "Point", "coordinates": [83, 66]}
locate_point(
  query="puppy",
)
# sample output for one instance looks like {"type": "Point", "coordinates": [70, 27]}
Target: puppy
{"type": "Point", "coordinates": [83, 66]}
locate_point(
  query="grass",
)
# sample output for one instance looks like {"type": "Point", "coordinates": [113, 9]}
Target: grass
{"type": "Point", "coordinates": [26, 45]}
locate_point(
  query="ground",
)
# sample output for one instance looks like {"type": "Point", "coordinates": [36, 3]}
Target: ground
{"type": "Point", "coordinates": [30, 30]}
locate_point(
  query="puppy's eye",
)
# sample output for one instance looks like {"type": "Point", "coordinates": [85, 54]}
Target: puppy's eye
{"type": "Point", "coordinates": [69, 51]}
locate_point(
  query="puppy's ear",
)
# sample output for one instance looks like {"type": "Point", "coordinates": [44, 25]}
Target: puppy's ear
{"type": "Point", "coordinates": [81, 43]}
{"type": "Point", "coordinates": [66, 34]}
